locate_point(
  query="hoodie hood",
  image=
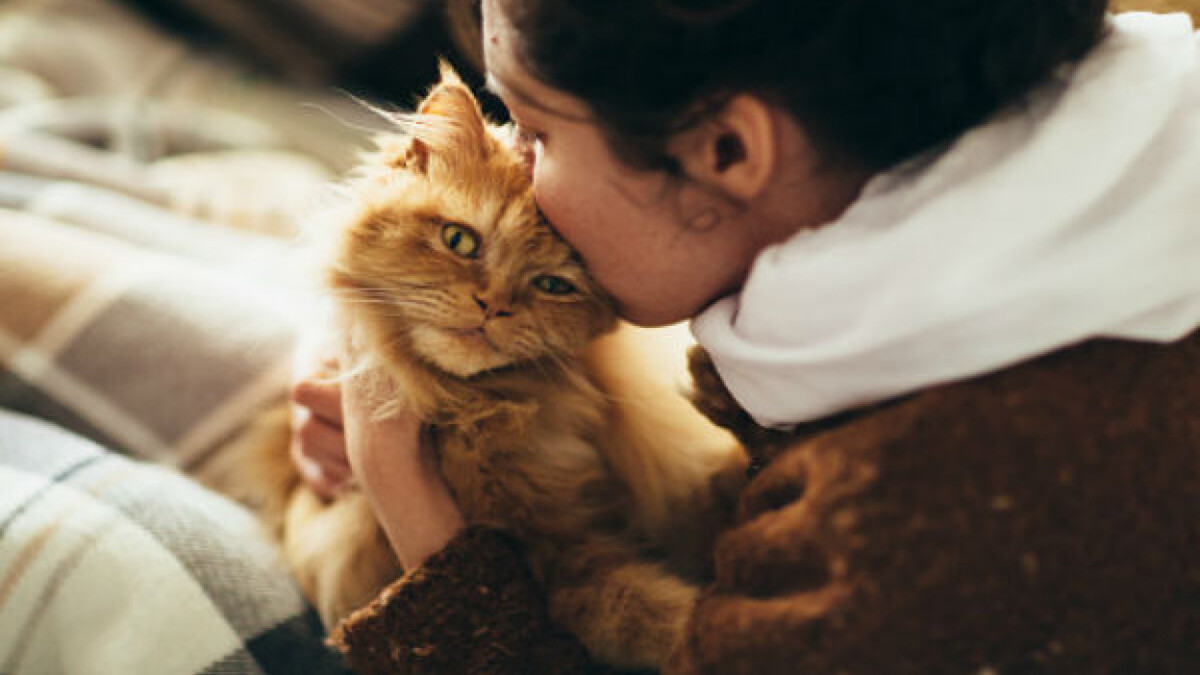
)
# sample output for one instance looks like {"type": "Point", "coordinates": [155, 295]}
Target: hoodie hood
{"type": "Point", "coordinates": [1073, 216]}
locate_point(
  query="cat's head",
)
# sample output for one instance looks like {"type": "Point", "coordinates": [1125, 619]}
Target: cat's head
{"type": "Point", "coordinates": [447, 254]}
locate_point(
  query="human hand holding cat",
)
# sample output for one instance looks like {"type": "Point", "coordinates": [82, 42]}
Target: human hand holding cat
{"type": "Point", "coordinates": [318, 444]}
{"type": "Point", "coordinates": [392, 460]}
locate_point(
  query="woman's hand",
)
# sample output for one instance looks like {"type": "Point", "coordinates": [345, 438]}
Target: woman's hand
{"type": "Point", "coordinates": [318, 445]}
{"type": "Point", "coordinates": [393, 460]}
{"type": "Point", "coordinates": [339, 442]}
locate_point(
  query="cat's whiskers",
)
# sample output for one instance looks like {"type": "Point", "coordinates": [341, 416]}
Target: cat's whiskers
{"type": "Point", "coordinates": [422, 311]}
{"type": "Point", "coordinates": [533, 343]}
{"type": "Point", "coordinates": [548, 362]}
{"type": "Point", "coordinates": [359, 297]}
{"type": "Point", "coordinates": [385, 291]}
{"type": "Point", "coordinates": [366, 301]}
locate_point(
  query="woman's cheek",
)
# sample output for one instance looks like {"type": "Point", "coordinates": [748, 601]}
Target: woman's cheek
{"type": "Point", "coordinates": [548, 195]}
{"type": "Point", "coordinates": [557, 213]}
{"type": "Point", "coordinates": [563, 209]}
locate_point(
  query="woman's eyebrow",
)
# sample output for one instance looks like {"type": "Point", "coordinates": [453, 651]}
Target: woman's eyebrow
{"type": "Point", "coordinates": [506, 91]}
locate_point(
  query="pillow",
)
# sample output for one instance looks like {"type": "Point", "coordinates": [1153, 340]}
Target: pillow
{"type": "Point", "coordinates": [114, 566]}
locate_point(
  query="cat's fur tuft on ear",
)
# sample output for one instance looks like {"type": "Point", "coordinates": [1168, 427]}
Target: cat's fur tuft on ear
{"type": "Point", "coordinates": [448, 124]}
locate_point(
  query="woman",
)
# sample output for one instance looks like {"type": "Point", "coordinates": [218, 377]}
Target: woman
{"type": "Point", "coordinates": [946, 249]}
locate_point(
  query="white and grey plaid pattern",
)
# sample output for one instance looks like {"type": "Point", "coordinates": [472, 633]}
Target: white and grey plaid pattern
{"type": "Point", "coordinates": [112, 565]}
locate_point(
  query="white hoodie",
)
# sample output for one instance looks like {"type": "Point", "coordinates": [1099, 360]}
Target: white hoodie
{"type": "Point", "coordinates": [1076, 216]}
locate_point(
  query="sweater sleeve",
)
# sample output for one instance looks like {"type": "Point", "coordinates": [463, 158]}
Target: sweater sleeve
{"type": "Point", "coordinates": [1033, 520]}
{"type": "Point", "coordinates": [474, 607]}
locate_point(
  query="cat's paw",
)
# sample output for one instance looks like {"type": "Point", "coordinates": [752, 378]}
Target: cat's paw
{"type": "Point", "coordinates": [712, 398]}
{"type": "Point", "coordinates": [709, 393]}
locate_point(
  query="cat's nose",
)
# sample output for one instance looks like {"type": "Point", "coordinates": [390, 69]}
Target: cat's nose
{"type": "Point", "coordinates": [489, 310]}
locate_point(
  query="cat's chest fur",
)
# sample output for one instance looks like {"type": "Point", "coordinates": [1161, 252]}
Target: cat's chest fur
{"type": "Point", "coordinates": [533, 466]}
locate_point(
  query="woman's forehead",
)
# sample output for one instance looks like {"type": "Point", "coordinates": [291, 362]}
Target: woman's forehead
{"type": "Point", "coordinates": [565, 107]}
{"type": "Point", "coordinates": [508, 79]}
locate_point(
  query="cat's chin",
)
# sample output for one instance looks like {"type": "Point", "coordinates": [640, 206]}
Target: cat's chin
{"type": "Point", "coordinates": [462, 353]}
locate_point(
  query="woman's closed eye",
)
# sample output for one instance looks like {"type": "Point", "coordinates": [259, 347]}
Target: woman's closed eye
{"type": "Point", "coordinates": [529, 146]}
{"type": "Point", "coordinates": [528, 137]}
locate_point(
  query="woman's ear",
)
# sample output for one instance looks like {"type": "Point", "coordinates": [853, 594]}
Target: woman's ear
{"type": "Point", "coordinates": [735, 151]}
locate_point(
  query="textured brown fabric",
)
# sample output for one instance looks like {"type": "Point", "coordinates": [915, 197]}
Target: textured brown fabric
{"type": "Point", "coordinates": [473, 608]}
{"type": "Point", "coordinates": [1044, 519]}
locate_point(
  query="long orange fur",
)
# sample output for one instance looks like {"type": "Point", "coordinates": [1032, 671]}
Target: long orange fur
{"type": "Point", "coordinates": [551, 422]}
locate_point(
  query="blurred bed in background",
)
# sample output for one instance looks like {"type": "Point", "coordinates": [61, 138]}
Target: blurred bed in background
{"type": "Point", "coordinates": [226, 116]}
{"type": "Point", "coordinates": [382, 46]}
{"type": "Point", "coordinates": [156, 161]}
{"type": "Point", "coordinates": [173, 144]}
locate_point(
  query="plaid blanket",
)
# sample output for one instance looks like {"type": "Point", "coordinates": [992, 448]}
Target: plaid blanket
{"type": "Point", "coordinates": [204, 593]}
{"type": "Point", "coordinates": [156, 355]}
{"type": "Point", "coordinates": [112, 565]}
{"type": "Point", "coordinates": [146, 320]}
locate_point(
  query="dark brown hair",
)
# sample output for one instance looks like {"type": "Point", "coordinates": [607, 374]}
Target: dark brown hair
{"type": "Point", "coordinates": [874, 82]}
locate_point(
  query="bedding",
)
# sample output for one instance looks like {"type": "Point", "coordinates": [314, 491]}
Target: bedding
{"type": "Point", "coordinates": [150, 195]}
{"type": "Point", "coordinates": [150, 199]}
{"type": "Point", "coordinates": [113, 566]}
{"type": "Point", "coordinates": [145, 351]}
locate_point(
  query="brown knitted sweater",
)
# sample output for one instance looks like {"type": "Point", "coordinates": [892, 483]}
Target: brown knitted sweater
{"type": "Point", "coordinates": [1043, 519]}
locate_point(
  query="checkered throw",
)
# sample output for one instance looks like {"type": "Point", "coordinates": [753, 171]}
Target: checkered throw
{"type": "Point", "coordinates": [113, 566]}
{"type": "Point", "coordinates": [152, 354]}
{"type": "Point", "coordinates": [143, 324]}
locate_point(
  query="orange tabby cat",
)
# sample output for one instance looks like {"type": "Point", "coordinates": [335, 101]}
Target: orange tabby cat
{"type": "Point", "coordinates": [549, 423]}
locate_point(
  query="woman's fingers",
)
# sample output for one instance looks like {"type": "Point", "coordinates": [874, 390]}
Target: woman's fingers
{"type": "Point", "coordinates": [393, 463]}
{"type": "Point", "coordinates": [318, 450]}
{"type": "Point", "coordinates": [320, 395]}
{"type": "Point", "coordinates": [318, 445]}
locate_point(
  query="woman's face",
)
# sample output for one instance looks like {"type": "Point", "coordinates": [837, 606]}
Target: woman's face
{"type": "Point", "coordinates": [630, 227]}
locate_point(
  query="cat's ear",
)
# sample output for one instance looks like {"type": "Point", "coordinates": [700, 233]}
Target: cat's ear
{"type": "Point", "coordinates": [448, 122]}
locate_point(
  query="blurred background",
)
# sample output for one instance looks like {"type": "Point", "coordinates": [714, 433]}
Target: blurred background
{"type": "Point", "coordinates": [158, 160]}
{"type": "Point", "coordinates": [225, 110]}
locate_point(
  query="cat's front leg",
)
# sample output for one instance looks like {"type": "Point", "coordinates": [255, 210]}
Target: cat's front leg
{"type": "Point", "coordinates": [337, 552]}
{"type": "Point", "coordinates": [628, 611]}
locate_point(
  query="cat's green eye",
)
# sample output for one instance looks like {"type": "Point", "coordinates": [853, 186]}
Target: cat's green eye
{"type": "Point", "coordinates": [460, 239]}
{"type": "Point", "coordinates": [553, 285]}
